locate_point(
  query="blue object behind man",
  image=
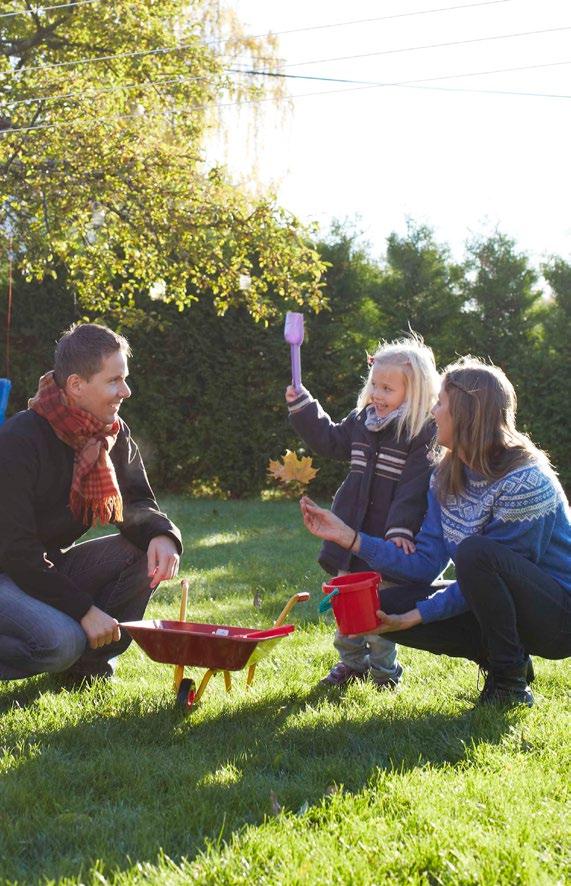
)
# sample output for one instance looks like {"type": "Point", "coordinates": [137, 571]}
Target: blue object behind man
{"type": "Point", "coordinates": [5, 385]}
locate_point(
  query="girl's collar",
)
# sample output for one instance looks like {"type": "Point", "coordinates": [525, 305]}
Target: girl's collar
{"type": "Point", "coordinates": [374, 423]}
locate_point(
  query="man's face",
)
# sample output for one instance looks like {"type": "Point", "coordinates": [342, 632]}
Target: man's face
{"type": "Point", "coordinates": [103, 394]}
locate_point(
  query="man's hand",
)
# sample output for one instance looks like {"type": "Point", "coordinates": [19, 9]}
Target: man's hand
{"type": "Point", "coordinates": [326, 525]}
{"type": "Point", "coordinates": [291, 394]}
{"type": "Point", "coordinates": [162, 559]}
{"type": "Point", "coordinates": [405, 544]}
{"type": "Point", "coordinates": [100, 628]}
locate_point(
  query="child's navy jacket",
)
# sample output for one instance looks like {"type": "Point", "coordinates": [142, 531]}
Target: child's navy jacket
{"type": "Point", "coordinates": [385, 491]}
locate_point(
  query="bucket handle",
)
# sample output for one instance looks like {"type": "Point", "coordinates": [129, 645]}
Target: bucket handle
{"type": "Point", "coordinates": [325, 602]}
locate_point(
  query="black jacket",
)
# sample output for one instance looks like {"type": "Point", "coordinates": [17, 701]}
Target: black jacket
{"type": "Point", "coordinates": [385, 491]}
{"type": "Point", "coordinates": [35, 520]}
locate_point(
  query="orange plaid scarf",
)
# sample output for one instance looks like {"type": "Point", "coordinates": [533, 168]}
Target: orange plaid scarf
{"type": "Point", "coordinates": [95, 496]}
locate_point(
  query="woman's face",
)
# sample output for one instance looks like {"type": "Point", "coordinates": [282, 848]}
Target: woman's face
{"type": "Point", "coordinates": [443, 419]}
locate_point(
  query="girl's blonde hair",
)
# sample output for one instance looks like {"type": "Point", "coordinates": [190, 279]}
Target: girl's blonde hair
{"type": "Point", "coordinates": [482, 405]}
{"type": "Point", "coordinates": [416, 361]}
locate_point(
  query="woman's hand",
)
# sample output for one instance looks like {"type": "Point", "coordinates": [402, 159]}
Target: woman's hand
{"type": "Point", "coordinates": [395, 622]}
{"type": "Point", "coordinates": [291, 394]}
{"type": "Point", "coordinates": [405, 544]}
{"type": "Point", "coordinates": [326, 525]}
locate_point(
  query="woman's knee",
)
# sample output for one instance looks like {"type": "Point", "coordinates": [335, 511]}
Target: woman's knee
{"type": "Point", "coordinates": [474, 552]}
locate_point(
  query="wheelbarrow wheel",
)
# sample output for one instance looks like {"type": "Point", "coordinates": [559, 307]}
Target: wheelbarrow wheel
{"type": "Point", "coordinates": [186, 694]}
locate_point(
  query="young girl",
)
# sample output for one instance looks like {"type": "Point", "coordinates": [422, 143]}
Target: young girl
{"type": "Point", "coordinates": [387, 439]}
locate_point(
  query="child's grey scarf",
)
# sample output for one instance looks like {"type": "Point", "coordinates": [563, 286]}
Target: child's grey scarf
{"type": "Point", "coordinates": [376, 423]}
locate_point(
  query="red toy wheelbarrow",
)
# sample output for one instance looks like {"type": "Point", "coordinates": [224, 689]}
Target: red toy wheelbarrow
{"type": "Point", "coordinates": [214, 647]}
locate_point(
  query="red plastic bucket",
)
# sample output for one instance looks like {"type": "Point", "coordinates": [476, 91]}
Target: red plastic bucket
{"type": "Point", "coordinates": [356, 603]}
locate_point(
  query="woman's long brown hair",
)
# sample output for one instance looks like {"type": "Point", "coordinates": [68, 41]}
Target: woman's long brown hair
{"type": "Point", "coordinates": [482, 405]}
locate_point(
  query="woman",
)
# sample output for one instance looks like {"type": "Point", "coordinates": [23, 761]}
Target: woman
{"type": "Point", "coordinates": [497, 510]}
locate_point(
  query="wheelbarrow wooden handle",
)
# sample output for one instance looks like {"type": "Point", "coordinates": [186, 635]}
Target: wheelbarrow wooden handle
{"type": "Point", "coordinates": [184, 599]}
{"type": "Point", "coordinates": [297, 598]}
{"type": "Point", "coordinates": [179, 669]}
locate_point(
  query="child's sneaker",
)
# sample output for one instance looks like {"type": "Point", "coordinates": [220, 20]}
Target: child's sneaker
{"type": "Point", "coordinates": [341, 674]}
{"type": "Point", "coordinates": [382, 683]}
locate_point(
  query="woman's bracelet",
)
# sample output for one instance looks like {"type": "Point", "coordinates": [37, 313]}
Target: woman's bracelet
{"type": "Point", "coordinates": [350, 548]}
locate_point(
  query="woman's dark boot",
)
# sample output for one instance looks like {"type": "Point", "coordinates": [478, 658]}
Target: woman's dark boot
{"type": "Point", "coordinates": [508, 685]}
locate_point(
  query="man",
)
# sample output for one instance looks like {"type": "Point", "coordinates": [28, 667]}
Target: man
{"type": "Point", "coordinates": [66, 463]}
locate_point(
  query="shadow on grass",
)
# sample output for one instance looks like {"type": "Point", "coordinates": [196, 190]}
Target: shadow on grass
{"type": "Point", "coordinates": [124, 788]}
{"type": "Point", "coordinates": [23, 693]}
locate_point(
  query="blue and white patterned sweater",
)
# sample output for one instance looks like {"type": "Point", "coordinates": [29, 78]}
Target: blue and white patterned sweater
{"type": "Point", "coordinates": [526, 510]}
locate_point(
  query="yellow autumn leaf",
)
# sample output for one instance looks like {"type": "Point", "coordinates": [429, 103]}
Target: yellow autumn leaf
{"type": "Point", "coordinates": [276, 469]}
{"type": "Point", "coordinates": [293, 469]}
{"type": "Point", "coordinates": [298, 470]}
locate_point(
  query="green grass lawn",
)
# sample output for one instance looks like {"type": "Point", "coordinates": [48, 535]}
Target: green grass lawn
{"type": "Point", "coordinates": [283, 783]}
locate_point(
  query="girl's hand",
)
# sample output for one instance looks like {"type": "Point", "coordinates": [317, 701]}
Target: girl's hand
{"type": "Point", "coordinates": [291, 394]}
{"type": "Point", "coordinates": [326, 525]}
{"type": "Point", "coordinates": [405, 544]}
{"type": "Point", "coordinates": [395, 622]}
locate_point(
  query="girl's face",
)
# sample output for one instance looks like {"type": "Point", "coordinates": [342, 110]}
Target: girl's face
{"type": "Point", "coordinates": [388, 389]}
{"type": "Point", "coordinates": [443, 419]}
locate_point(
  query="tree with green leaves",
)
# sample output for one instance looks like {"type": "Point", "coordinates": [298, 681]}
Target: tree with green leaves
{"type": "Point", "coordinates": [550, 370]}
{"type": "Point", "coordinates": [419, 289]}
{"type": "Point", "coordinates": [105, 109]}
{"type": "Point", "coordinates": [502, 302]}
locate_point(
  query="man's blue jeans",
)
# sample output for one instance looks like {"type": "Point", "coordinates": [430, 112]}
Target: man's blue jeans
{"type": "Point", "coordinates": [35, 638]}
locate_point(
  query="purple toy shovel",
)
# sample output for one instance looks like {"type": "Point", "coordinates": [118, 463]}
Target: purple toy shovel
{"type": "Point", "coordinates": [293, 334]}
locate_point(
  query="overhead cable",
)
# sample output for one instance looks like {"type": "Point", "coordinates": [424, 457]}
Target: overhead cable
{"type": "Point", "coordinates": [412, 84]}
{"type": "Point", "coordinates": [182, 78]}
{"type": "Point", "coordinates": [384, 18]}
{"type": "Point", "coordinates": [99, 58]}
{"type": "Point", "coordinates": [37, 10]}
{"type": "Point", "coordinates": [166, 49]}
{"type": "Point", "coordinates": [511, 36]}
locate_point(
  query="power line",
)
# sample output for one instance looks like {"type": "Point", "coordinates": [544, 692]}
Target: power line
{"type": "Point", "coordinates": [361, 21]}
{"type": "Point", "coordinates": [405, 84]}
{"type": "Point", "coordinates": [490, 91]}
{"type": "Point", "coordinates": [384, 18]}
{"type": "Point", "coordinates": [409, 85]}
{"type": "Point", "coordinates": [417, 82]}
{"type": "Point", "coordinates": [167, 49]}
{"type": "Point", "coordinates": [99, 58]}
{"type": "Point", "coordinates": [41, 9]}
{"type": "Point", "coordinates": [181, 78]}
{"type": "Point", "coordinates": [342, 58]}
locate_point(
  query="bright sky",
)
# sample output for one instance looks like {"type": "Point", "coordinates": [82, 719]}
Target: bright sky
{"type": "Point", "coordinates": [461, 161]}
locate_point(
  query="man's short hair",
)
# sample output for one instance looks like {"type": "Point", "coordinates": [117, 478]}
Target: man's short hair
{"type": "Point", "coordinates": [82, 349]}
